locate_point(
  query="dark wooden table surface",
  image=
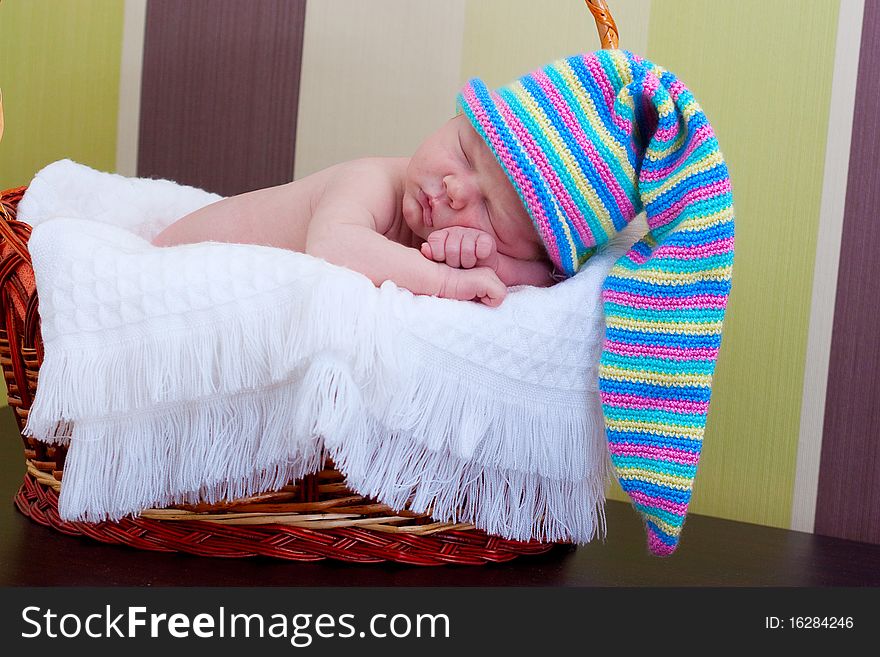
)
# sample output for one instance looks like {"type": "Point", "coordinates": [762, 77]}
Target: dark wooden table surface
{"type": "Point", "coordinates": [713, 552]}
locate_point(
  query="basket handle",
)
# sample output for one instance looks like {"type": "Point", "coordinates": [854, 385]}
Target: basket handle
{"type": "Point", "coordinates": [608, 35]}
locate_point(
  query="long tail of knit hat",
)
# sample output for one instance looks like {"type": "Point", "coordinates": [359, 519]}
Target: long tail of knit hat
{"type": "Point", "coordinates": [589, 142]}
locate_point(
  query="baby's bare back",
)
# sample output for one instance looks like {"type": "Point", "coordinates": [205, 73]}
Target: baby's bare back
{"type": "Point", "coordinates": [276, 216]}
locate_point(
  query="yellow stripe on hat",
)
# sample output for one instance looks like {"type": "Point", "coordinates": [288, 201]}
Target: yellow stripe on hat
{"type": "Point", "coordinates": [621, 64]}
{"type": "Point", "coordinates": [589, 193]}
{"type": "Point", "coordinates": [707, 328]}
{"type": "Point", "coordinates": [697, 222]}
{"type": "Point", "coordinates": [654, 477]}
{"type": "Point", "coordinates": [718, 274]}
{"type": "Point", "coordinates": [664, 526]}
{"type": "Point", "coordinates": [657, 378]}
{"type": "Point", "coordinates": [658, 428]}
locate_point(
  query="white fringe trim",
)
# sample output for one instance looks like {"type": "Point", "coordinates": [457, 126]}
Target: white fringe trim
{"type": "Point", "coordinates": [232, 446]}
{"type": "Point", "coordinates": [219, 449]}
{"type": "Point", "coordinates": [402, 473]}
{"type": "Point", "coordinates": [401, 469]}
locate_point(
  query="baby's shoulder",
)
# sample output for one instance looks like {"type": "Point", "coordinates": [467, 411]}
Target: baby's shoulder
{"type": "Point", "coordinates": [365, 178]}
{"type": "Point", "coordinates": [368, 182]}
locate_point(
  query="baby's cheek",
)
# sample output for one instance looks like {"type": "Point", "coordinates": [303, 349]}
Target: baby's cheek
{"type": "Point", "coordinates": [464, 219]}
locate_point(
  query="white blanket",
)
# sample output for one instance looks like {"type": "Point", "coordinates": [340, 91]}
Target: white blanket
{"type": "Point", "coordinates": [212, 370]}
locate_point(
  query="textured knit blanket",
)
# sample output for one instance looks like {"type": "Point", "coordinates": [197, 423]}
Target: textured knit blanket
{"type": "Point", "coordinates": [207, 371]}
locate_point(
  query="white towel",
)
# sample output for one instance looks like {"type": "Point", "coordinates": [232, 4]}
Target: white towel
{"type": "Point", "coordinates": [208, 371]}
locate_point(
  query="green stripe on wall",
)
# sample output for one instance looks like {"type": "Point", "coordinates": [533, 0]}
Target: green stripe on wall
{"type": "Point", "coordinates": [762, 72]}
{"type": "Point", "coordinates": [59, 71]}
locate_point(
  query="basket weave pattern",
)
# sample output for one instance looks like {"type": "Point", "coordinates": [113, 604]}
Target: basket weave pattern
{"type": "Point", "coordinates": [310, 519]}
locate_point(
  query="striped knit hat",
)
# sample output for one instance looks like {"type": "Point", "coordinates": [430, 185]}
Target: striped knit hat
{"type": "Point", "coordinates": [589, 142]}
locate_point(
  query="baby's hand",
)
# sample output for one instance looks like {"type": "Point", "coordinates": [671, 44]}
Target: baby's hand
{"type": "Point", "coordinates": [477, 284]}
{"type": "Point", "coordinates": [462, 247]}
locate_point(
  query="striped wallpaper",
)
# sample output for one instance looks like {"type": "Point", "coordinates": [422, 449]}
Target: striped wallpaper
{"type": "Point", "coordinates": [237, 94]}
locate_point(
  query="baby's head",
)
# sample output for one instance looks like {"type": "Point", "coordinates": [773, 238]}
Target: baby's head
{"type": "Point", "coordinates": [454, 179]}
{"type": "Point", "coordinates": [549, 161]}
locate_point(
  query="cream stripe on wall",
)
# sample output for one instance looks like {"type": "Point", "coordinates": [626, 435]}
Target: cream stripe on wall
{"type": "Point", "coordinates": [377, 77]}
{"type": "Point", "coordinates": [505, 39]}
{"type": "Point", "coordinates": [843, 91]}
{"type": "Point", "coordinates": [130, 87]}
{"type": "Point", "coordinates": [765, 86]}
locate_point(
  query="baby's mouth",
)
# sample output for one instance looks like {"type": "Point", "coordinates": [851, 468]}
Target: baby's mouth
{"type": "Point", "coordinates": [426, 208]}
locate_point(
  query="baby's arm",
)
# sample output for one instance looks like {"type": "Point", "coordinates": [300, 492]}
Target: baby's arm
{"type": "Point", "coordinates": [344, 234]}
{"type": "Point", "coordinates": [514, 271]}
{"type": "Point", "coordinates": [459, 246]}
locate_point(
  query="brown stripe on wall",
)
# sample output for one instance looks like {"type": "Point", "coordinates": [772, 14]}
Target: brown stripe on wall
{"type": "Point", "coordinates": [848, 503]}
{"type": "Point", "coordinates": [220, 92]}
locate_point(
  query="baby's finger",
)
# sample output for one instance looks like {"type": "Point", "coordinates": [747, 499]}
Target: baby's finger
{"type": "Point", "coordinates": [437, 244]}
{"type": "Point", "coordinates": [492, 302]}
{"type": "Point", "coordinates": [493, 295]}
{"type": "Point", "coordinates": [453, 250]}
{"type": "Point", "coordinates": [484, 246]}
{"type": "Point", "coordinates": [426, 251]}
{"type": "Point", "coordinates": [490, 290]}
{"type": "Point", "coordinates": [468, 250]}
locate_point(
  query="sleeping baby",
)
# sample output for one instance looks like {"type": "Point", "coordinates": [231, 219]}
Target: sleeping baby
{"type": "Point", "coordinates": [446, 222]}
{"type": "Point", "coordinates": [522, 187]}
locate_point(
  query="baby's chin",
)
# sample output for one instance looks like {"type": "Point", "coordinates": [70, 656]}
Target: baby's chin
{"type": "Point", "coordinates": [414, 223]}
{"type": "Point", "coordinates": [412, 216]}
{"type": "Point", "coordinates": [419, 230]}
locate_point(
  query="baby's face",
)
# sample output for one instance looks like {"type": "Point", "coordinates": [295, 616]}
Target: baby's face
{"type": "Point", "coordinates": [454, 180]}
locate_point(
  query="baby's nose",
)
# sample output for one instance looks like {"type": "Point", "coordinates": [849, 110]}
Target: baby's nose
{"type": "Point", "coordinates": [458, 191]}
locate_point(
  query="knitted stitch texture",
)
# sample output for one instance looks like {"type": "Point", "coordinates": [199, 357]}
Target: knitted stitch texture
{"type": "Point", "coordinates": [589, 142]}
